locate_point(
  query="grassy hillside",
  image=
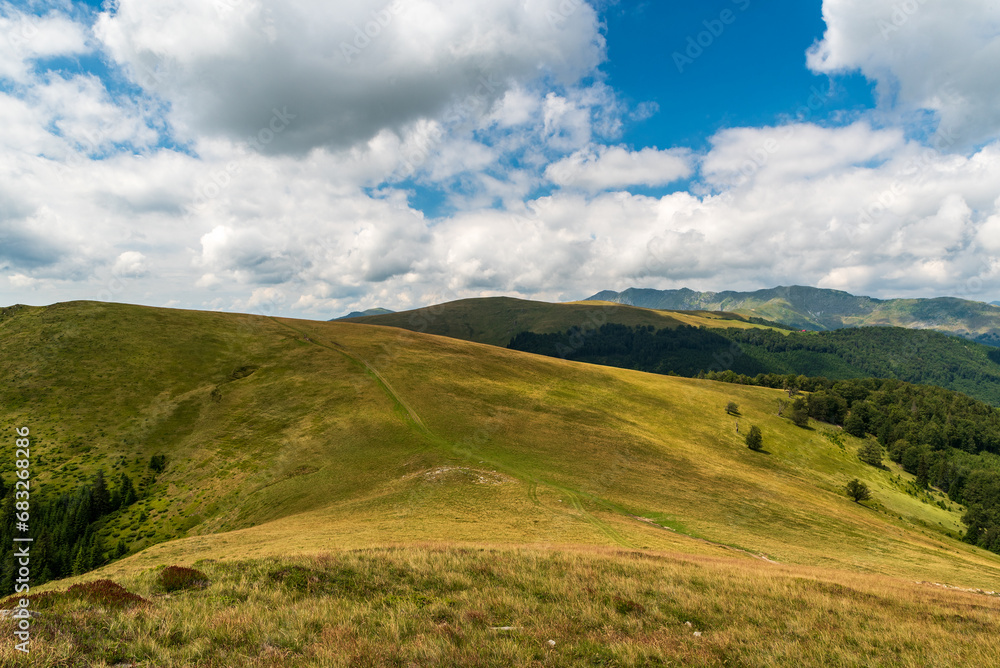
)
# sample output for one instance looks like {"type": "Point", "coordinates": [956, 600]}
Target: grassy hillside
{"type": "Point", "coordinates": [336, 436]}
{"type": "Point", "coordinates": [821, 309]}
{"type": "Point", "coordinates": [915, 356]}
{"type": "Point", "coordinates": [496, 320]}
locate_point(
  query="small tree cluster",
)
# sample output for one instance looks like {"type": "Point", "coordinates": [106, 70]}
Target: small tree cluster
{"type": "Point", "coordinates": [754, 439]}
{"type": "Point", "coordinates": [732, 408]}
{"type": "Point", "coordinates": [157, 463]}
{"type": "Point", "coordinates": [68, 529]}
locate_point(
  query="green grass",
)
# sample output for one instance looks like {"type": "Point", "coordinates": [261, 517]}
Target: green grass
{"type": "Point", "coordinates": [352, 437]}
{"type": "Point", "coordinates": [334, 436]}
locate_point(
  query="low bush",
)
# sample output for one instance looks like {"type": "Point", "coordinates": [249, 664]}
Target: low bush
{"type": "Point", "coordinates": [177, 578]}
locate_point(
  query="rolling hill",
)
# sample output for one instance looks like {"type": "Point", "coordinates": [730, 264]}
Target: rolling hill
{"type": "Point", "coordinates": [820, 309]}
{"type": "Point", "coordinates": [574, 331]}
{"type": "Point", "coordinates": [398, 457]}
{"type": "Point", "coordinates": [496, 320]}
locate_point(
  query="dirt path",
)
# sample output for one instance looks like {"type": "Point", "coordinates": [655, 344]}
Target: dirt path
{"type": "Point", "coordinates": [369, 369]}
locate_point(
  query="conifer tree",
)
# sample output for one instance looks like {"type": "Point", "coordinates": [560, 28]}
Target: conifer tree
{"type": "Point", "coordinates": [101, 497]}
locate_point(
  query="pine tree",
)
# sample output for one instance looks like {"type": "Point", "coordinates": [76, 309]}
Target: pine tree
{"type": "Point", "coordinates": [923, 473]}
{"type": "Point", "coordinates": [79, 561]}
{"type": "Point", "coordinates": [95, 556]}
{"type": "Point", "coordinates": [126, 491]}
{"type": "Point", "coordinates": [101, 497]}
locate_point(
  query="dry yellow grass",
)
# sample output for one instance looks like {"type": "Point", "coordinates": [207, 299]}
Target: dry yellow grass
{"type": "Point", "coordinates": [432, 605]}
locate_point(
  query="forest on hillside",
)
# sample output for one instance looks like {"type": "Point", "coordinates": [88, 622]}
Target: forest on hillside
{"type": "Point", "coordinates": [69, 529]}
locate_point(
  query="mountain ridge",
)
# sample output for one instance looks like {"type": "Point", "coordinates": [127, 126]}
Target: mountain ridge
{"type": "Point", "coordinates": [361, 314]}
{"type": "Point", "coordinates": [820, 309]}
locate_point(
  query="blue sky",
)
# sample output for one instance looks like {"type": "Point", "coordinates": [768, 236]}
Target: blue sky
{"type": "Point", "coordinates": [310, 157]}
{"type": "Point", "coordinates": [752, 73]}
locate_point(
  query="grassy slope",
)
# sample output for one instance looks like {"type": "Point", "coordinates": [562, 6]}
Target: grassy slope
{"type": "Point", "coordinates": [899, 354]}
{"type": "Point", "coordinates": [340, 438]}
{"type": "Point", "coordinates": [351, 436]}
{"type": "Point", "coordinates": [495, 320]}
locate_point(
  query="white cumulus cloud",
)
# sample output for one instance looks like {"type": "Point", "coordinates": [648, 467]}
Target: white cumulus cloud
{"type": "Point", "coordinates": [924, 54]}
{"type": "Point", "coordinates": [608, 167]}
{"type": "Point", "coordinates": [338, 71]}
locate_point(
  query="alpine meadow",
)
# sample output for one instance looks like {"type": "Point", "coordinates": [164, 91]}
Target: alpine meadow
{"type": "Point", "coordinates": [499, 333]}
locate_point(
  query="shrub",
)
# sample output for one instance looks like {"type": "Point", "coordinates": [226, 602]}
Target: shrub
{"type": "Point", "coordinates": [732, 408]}
{"type": "Point", "coordinates": [105, 593]}
{"type": "Point", "coordinates": [157, 463]}
{"type": "Point", "coordinates": [176, 578]}
{"type": "Point", "coordinates": [754, 439]}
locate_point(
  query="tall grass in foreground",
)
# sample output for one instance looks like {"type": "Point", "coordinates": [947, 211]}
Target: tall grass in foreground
{"type": "Point", "coordinates": [461, 606]}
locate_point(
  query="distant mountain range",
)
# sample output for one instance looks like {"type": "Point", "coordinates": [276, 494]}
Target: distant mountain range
{"type": "Point", "coordinates": [362, 314]}
{"type": "Point", "coordinates": [818, 309]}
